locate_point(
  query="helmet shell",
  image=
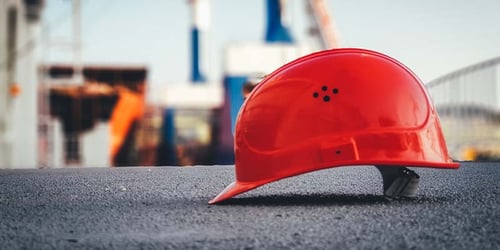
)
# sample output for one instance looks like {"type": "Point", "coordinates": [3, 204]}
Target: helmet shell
{"type": "Point", "coordinates": [334, 108]}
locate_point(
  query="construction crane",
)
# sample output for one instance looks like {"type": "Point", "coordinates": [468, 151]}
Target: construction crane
{"type": "Point", "coordinates": [322, 25]}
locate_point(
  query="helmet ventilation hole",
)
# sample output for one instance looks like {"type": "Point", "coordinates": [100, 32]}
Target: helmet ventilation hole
{"type": "Point", "coordinates": [326, 97]}
{"type": "Point", "coordinates": [338, 152]}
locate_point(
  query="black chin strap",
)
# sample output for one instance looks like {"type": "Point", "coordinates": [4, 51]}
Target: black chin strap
{"type": "Point", "coordinates": [399, 181]}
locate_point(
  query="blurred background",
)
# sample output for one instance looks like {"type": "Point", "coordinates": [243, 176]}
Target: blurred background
{"type": "Point", "coordinates": [89, 83]}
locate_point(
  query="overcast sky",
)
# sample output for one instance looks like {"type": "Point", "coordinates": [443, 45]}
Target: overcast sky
{"type": "Point", "coordinates": [432, 37]}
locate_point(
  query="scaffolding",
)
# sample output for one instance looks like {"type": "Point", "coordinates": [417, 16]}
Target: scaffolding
{"type": "Point", "coordinates": [468, 103]}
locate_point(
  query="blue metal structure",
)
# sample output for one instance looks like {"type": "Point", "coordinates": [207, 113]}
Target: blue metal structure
{"type": "Point", "coordinates": [233, 86]}
{"type": "Point", "coordinates": [167, 150]}
{"type": "Point", "coordinates": [197, 76]}
{"type": "Point", "coordinates": [275, 30]}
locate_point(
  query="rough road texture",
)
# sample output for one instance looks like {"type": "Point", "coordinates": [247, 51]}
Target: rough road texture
{"type": "Point", "coordinates": [166, 207]}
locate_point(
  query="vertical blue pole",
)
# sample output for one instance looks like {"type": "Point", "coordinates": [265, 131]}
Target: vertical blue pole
{"type": "Point", "coordinates": [233, 86]}
{"type": "Point", "coordinates": [168, 153]}
{"type": "Point", "coordinates": [196, 75]}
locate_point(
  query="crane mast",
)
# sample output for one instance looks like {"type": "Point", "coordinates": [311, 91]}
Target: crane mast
{"type": "Point", "coordinates": [322, 25]}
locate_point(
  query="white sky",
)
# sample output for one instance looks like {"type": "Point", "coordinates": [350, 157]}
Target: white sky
{"type": "Point", "coordinates": [432, 37]}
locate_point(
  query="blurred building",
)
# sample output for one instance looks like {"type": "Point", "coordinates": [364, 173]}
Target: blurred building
{"type": "Point", "coordinates": [94, 123]}
{"type": "Point", "coordinates": [19, 26]}
{"type": "Point", "coordinates": [191, 130]}
{"type": "Point", "coordinates": [64, 113]}
{"type": "Point", "coordinates": [468, 103]}
{"type": "Point", "coordinates": [199, 116]}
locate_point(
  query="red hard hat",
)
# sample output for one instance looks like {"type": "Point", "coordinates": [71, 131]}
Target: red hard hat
{"type": "Point", "coordinates": [335, 108]}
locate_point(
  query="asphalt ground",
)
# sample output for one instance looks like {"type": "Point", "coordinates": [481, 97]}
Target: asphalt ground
{"type": "Point", "coordinates": [166, 208]}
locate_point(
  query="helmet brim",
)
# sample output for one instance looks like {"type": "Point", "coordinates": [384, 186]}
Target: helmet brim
{"type": "Point", "coordinates": [234, 189]}
{"type": "Point", "coordinates": [238, 187]}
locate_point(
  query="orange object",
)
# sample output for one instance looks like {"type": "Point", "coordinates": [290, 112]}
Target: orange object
{"type": "Point", "coordinates": [128, 109]}
{"type": "Point", "coordinates": [15, 90]}
{"type": "Point", "coordinates": [335, 108]}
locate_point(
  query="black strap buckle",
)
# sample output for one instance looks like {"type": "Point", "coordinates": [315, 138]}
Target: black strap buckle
{"type": "Point", "coordinates": [399, 181]}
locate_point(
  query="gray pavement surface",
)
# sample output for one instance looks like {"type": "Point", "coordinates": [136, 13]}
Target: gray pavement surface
{"type": "Point", "coordinates": [166, 208]}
